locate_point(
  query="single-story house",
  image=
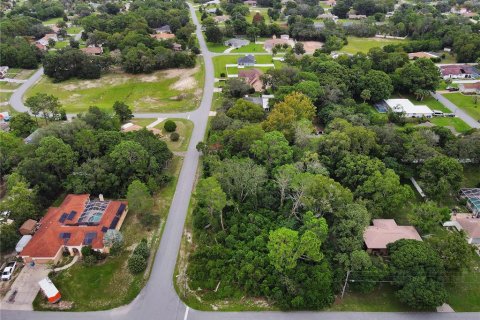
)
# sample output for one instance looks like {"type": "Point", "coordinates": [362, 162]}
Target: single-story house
{"type": "Point", "coordinates": [284, 39]}
{"type": "Point", "coordinates": [421, 54]}
{"type": "Point", "coordinates": [236, 43]}
{"type": "Point", "coordinates": [468, 223]}
{"type": "Point", "coordinates": [252, 77]}
{"type": "Point", "coordinates": [163, 36]}
{"type": "Point", "coordinates": [357, 16]}
{"type": "Point", "coordinates": [163, 29]}
{"type": "Point", "coordinates": [261, 101]}
{"type": "Point", "coordinates": [44, 41]}
{"type": "Point", "coordinates": [211, 10]}
{"type": "Point", "coordinates": [384, 232]}
{"type": "Point", "coordinates": [327, 15]}
{"type": "Point", "coordinates": [92, 50]}
{"type": "Point", "coordinates": [472, 195]}
{"type": "Point", "coordinates": [220, 19]}
{"type": "Point", "coordinates": [3, 71]}
{"type": "Point", "coordinates": [409, 109]}
{"type": "Point", "coordinates": [459, 71]}
{"type": "Point", "coordinates": [469, 88]}
{"type": "Point", "coordinates": [79, 221]}
{"type": "Point", "coordinates": [28, 227]}
{"type": "Point", "coordinates": [247, 61]}
{"type": "Point", "coordinates": [251, 3]}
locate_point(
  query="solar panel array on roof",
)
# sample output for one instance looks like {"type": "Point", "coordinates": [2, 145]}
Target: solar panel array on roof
{"type": "Point", "coordinates": [114, 223]}
{"type": "Point", "coordinates": [104, 229]}
{"type": "Point", "coordinates": [120, 210]}
{"type": "Point", "coordinates": [65, 236]}
{"type": "Point", "coordinates": [89, 237]}
{"type": "Point", "coordinates": [63, 217]}
{"type": "Point", "coordinates": [72, 215]}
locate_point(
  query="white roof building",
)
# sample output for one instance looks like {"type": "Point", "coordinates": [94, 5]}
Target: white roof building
{"type": "Point", "coordinates": [408, 108]}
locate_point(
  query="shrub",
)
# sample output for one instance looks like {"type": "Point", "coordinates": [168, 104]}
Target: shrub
{"type": "Point", "coordinates": [170, 126]}
{"type": "Point", "coordinates": [89, 260]}
{"type": "Point", "coordinates": [137, 264]}
{"type": "Point", "coordinates": [142, 249]}
{"type": "Point", "coordinates": [174, 136]}
{"type": "Point", "coordinates": [86, 251]}
{"type": "Point", "coordinates": [222, 75]}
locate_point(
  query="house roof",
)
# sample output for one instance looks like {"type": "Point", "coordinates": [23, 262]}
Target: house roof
{"type": "Point", "coordinates": [92, 50]}
{"type": "Point", "coordinates": [421, 54]}
{"type": "Point", "coordinates": [236, 42]}
{"type": "Point", "coordinates": [249, 58]}
{"type": "Point", "coordinates": [76, 222]}
{"type": "Point", "coordinates": [385, 231]}
{"type": "Point", "coordinates": [475, 85]}
{"type": "Point", "coordinates": [163, 29]}
{"type": "Point", "coordinates": [163, 36]}
{"type": "Point", "coordinates": [28, 225]}
{"type": "Point", "coordinates": [457, 69]}
{"type": "Point", "coordinates": [467, 223]}
{"type": "Point", "coordinates": [405, 105]}
{"type": "Point", "coordinates": [250, 74]}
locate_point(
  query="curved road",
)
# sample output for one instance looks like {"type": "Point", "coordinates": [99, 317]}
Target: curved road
{"type": "Point", "coordinates": [159, 300]}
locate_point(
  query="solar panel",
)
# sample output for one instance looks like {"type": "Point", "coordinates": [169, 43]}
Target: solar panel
{"type": "Point", "coordinates": [104, 229]}
{"type": "Point", "coordinates": [114, 222]}
{"type": "Point", "coordinates": [62, 218]}
{"type": "Point", "coordinates": [89, 237]}
{"type": "Point", "coordinates": [120, 210]}
{"type": "Point", "coordinates": [72, 215]}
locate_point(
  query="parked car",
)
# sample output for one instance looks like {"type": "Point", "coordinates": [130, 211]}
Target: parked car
{"type": "Point", "coordinates": [8, 271]}
{"type": "Point", "coordinates": [451, 115]}
{"type": "Point", "coordinates": [452, 89]}
{"type": "Point", "coordinates": [437, 113]}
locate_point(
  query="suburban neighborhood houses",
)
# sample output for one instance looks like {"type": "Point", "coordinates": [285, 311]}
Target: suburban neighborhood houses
{"type": "Point", "coordinates": [284, 159]}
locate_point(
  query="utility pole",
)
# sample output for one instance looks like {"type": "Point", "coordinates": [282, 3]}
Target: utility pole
{"type": "Point", "coordinates": [345, 284]}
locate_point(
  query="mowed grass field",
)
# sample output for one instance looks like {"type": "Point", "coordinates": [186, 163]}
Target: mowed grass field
{"type": "Point", "coordinates": [220, 62]}
{"type": "Point", "coordinates": [173, 90]}
{"type": "Point", "coordinates": [356, 44]}
{"type": "Point", "coordinates": [458, 124]}
{"type": "Point", "coordinates": [466, 102]}
{"type": "Point", "coordinates": [250, 48]}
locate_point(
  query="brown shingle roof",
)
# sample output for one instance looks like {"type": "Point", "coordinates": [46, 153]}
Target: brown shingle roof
{"type": "Point", "coordinates": [385, 231]}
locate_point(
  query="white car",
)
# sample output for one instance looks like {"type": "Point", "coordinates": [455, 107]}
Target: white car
{"type": "Point", "coordinates": [8, 271]}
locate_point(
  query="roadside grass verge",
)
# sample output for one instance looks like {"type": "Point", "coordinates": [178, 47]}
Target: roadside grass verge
{"type": "Point", "coordinates": [5, 96]}
{"type": "Point", "coordinates": [466, 103]}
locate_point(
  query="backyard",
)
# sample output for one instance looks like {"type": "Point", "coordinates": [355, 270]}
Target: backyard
{"type": "Point", "coordinates": [173, 90]}
{"type": "Point", "coordinates": [110, 284]}
{"type": "Point", "coordinates": [468, 103]}
{"type": "Point", "coordinates": [356, 44]}
{"type": "Point", "coordinates": [220, 62]}
{"type": "Point", "coordinates": [250, 48]}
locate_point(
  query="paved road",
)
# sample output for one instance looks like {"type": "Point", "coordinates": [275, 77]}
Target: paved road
{"type": "Point", "coordinates": [158, 300]}
{"type": "Point", "coordinates": [458, 112]}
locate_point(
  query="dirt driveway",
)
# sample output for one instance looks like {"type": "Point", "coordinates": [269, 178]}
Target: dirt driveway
{"type": "Point", "coordinates": [26, 287]}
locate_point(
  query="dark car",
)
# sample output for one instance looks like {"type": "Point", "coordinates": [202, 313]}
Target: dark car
{"type": "Point", "coordinates": [452, 89]}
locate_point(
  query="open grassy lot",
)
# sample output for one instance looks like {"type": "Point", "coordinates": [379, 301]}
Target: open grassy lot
{"type": "Point", "coordinates": [19, 74]}
{"type": "Point", "coordinates": [110, 284]}
{"type": "Point", "coordinates": [61, 44]}
{"type": "Point", "coordinates": [458, 124]}
{"type": "Point", "coordinates": [173, 90]}
{"type": "Point", "coordinates": [52, 21]}
{"type": "Point", "coordinates": [466, 102]}
{"type": "Point", "coordinates": [220, 61]}
{"type": "Point", "coordinates": [216, 47]}
{"type": "Point", "coordinates": [250, 48]}
{"type": "Point", "coordinates": [5, 96]}
{"type": "Point", "coordinates": [74, 30]}
{"type": "Point", "coordinates": [184, 129]}
{"type": "Point", "coordinates": [464, 289]}
{"type": "Point", "coordinates": [356, 44]}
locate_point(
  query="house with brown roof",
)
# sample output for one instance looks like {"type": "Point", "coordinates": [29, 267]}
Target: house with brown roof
{"type": "Point", "coordinates": [79, 221]}
{"type": "Point", "coordinates": [162, 36]}
{"type": "Point", "coordinates": [284, 39]}
{"type": "Point", "coordinates": [92, 50]}
{"type": "Point", "coordinates": [384, 232]}
{"type": "Point", "coordinates": [252, 78]}
{"type": "Point", "coordinates": [459, 71]}
{"type": "Point", "coordinates": [469, 88]}
{"type": "Point", "coordinates": [468, 223]}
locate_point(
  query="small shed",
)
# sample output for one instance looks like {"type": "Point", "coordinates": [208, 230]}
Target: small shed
{"type": "Point", "coordinates": [22, 243]}
{"type": "Point", "coordinates": [28, 227]}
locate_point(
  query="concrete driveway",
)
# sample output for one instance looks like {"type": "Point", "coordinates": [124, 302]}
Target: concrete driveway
{"type": "Point", "coordinates": [26, 285]}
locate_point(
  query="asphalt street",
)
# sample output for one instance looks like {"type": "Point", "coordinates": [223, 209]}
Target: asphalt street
{"type": "Point", "coordinates": [458, 112]}
{"type": "Point", "coordinates": [159, 300]}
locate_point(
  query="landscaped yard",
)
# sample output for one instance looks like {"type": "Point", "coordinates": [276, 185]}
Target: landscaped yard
{"type": "Point", "coordinates": [365, 44]}
{"type": "Point", "coordinates": [220, 62]}
{"type": "Point", "coordinates": [110, 284]}
{"type": "Point", "coordinates": [173, 90]}
{"type": "Point", "coordinates": [466, 102]}
{"type": "Point", "coordinates": [458, 124]}
{"type": "Point", "coordinates": [250, 48]}
{"type": "Point", "coordinates": [52, 21]}
{"type": "Point", "coordinates": [184, 129]}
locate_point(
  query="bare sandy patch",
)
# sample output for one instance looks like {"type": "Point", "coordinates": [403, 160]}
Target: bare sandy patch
{"type": "Point", "coordinates": [311, 46]}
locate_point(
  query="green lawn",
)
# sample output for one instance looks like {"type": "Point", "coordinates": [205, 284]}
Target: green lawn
{"type": "Point", "coordinates": [61, 44]}
{"type": "Point", "coordinates": [143, 122]}
{"type": "Point", "coordinates": [184, 129]}
{"type": "Point", "coordinates": [464, 289]}
{"type": "Point", "coordinates": [444, 85]}
{"type": "Point", "coordinates": [52, 21]}
{"type": "Point", "coordinates": [74, 30]}
{"type": "Point", "coordinates": [356, 44]}
{"type": "Point", "coordinates": [250, 48]}
{"type": "Point", "coordinates": [9, 85]}
{"type": "Point", "coordinates": [217, 101]}
{"type": "Point", "coordinates": [19, 74]}
{"type": "Point", "coordinates": [458, 124]}
{"type": "Point", "coordinates": [5, 96]}
{"type": "Point", "coordinates": [381, 299]}
{"type": "Point", "coordinates": [219, 62]}
{"type": "Point", "coordinates": [173, 90]}
{"type": "Point", "coordinates": [216, 47]}
{"type": "Point", "coordinates": [466, 103]}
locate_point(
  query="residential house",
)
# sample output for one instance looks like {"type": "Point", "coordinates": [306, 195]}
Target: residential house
{"type": "Point", "coordinates": [92, 50]}
{"type": "Point", "coordinates": [384, 232]}
{"type": "Point", "coordinates": [271, 43]}
{"type": "Point", "coordinates": [163, 29]}
{"type": "Point", "coordinates": [327, 15]}
{"type": "Point", "coordinates": [421, 54]}
{"type": "Point", "coordinates": [220, 19]}
{"type": "Point", "coordinates": [247, 61]}
{"type": "Point", "coordinates": [79, 221]}
{"type": "Point", "coordinates": [263, 100]}
{"type": "Point", "coordinates": [252, 77]}
{"type": "Point", "coordinates": [42, 43]}
{"type": "Point", "coordinates": [176, 46]}
{"type": "Point", "coordinates": [406, 107]}
{"type": "Point", "coordinates": [163, 36]}
{"type": "Point", "coordinates": [468, 223]}
{"type": "Point", "coordinates": [251, 3]}
{"type": "Point", "coordinates": [357, 16]}
{"type": "Point", "coordinates": [3, 72]}
{"type": "Point", "coordinates": [211, 10]}
{"type": "Point", "coordinates": [459, 71]}
{"type": "Point", "coordinates": [472, 195]}
{"type": "Point", "coordinates": [236, 43]}
{"type": "Point", "coordinates": [469, 88]}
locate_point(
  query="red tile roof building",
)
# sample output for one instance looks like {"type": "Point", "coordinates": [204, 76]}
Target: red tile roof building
{"type": "Point", "coordinates": [78, 222]}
